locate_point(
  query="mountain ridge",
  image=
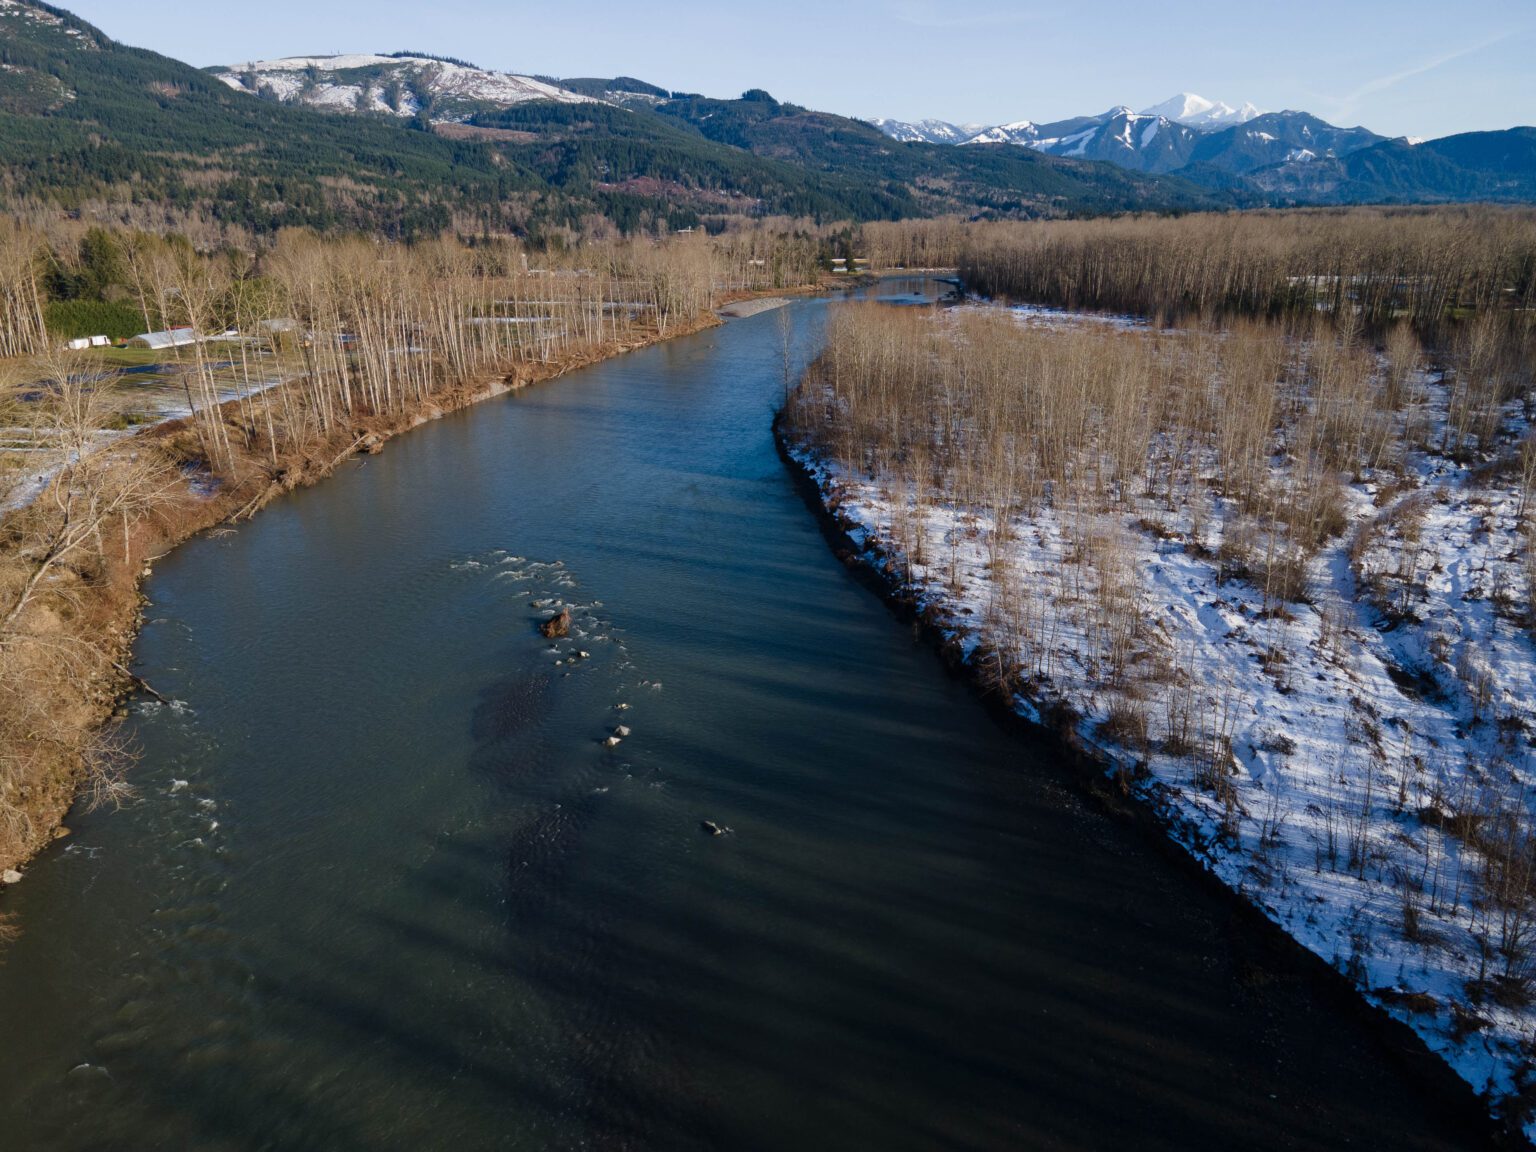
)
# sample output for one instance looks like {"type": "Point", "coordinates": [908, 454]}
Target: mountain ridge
{"type": "Point", "coordinates": [407, 143]}
{"type": "Point", "coordinates": [86, 122]}
{"type": "Point", "coordinates": [1289, 157]}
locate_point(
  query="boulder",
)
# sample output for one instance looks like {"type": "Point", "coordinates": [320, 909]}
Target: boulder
{"type": "Point", "coordinates": [709, 827]}
{"type": "Point", "coordinates": [621, 731]}
{"type": "Point", "coordinates": [10, 876]}
{"type": "Point", "coordinates": [556, 626]}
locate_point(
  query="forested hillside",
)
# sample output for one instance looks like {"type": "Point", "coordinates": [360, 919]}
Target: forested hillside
{"type": "Point", "coordinates": [84, 118]}
{"type": "Point", "coordinates": [127, 136]}
{"type": "Point", "coordinates": [87, 122]}
{"type": "Point", "coordinates": [1469, 166]}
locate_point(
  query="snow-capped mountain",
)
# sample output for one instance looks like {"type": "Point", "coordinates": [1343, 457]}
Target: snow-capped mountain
{"type": "Point", "coordinates": [1135, 140]}
{"type": "Point", "coordinates": [1186, 110]}
{"type": "Point", "coordinates": [1024, 132]}
{"type": "Point", "coordinates": [398, 85]}
{"type": "Point", "coordinates": [1141, 141]}
{"type": "Point", "coordinates": [1278, 138]}
{"type": "Point", "coordinates": [1198, 112]}
{"type": "Point", "coordinates": [927, 131]}
{"type": "Point", "coordinates": [1182, 131]}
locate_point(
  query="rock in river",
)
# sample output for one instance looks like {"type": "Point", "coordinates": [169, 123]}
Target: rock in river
{"type": "Point", "coordinates": [557, 625]}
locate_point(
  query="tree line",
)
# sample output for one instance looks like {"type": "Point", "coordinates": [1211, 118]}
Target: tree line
{"type": "Point", "coordinates": [1431, 267]}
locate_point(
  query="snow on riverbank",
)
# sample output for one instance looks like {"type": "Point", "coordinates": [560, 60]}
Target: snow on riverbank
{"type": "Point", "coordinates": [42, 459]}
{"type": "Point", "coordinates": [1346, 763]}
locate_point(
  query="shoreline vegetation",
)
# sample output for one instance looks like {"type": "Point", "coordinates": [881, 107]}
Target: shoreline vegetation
{"type": "Point", "coordinates": [1251, 523]}
{"type": "Point", "coordinates": [1253, 527]}
{"type": "Point", "coordinates": [312, 351]}
{"type": "Point", "coordinates": [1094, 772]}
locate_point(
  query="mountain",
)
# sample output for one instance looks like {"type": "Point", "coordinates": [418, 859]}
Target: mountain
{"type": "Point", "coordinates": [927, 131]}
{"type": "Point", "coordinates": [625, 91]}
{"type": "Point", "coordinates": [85, 119]}
{"type": "Point", "coordinates": [1198, 112]}
{"type": "Point", "coordinates": [1469, 166]}
{"type": "Point", "coordinates": [1278, 138]}
{"type": "Point", "coordinates": [1185, 109]}
{"type": "Point", "coordinates": [409, 144]}
{"type": "Point", "coordinates": [689, 137]}
{"type": "Point", "coordinates": [1141, 142]}
{"type": "Point", "coordinates": [403, 84]}
{"type": "Point", "coordinates": [1286, 157]}
{"type": "Point", "coordinates": [1207, 142]}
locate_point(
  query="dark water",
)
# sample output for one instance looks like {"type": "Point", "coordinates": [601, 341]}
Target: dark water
{"type": "Point", "coordinates": [386, 889]}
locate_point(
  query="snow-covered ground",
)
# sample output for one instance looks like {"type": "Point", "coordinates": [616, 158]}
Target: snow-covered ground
{"type": "Point", "coordinates": [1347, 763]}
{"type": "Point", "coordinates": [33, 457]}
{"type": "Point", "coordinates": [316, 80]}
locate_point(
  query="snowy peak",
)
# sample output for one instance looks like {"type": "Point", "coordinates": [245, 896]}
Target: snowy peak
{"type": "Point", "coordinates": [402, 85]}
{"type": "Point", "coordinates": [926, 131]}
{"type": "Point", "coordinates": [1146, 143]}
{"type": "Point", "coordinates": [1072, 137]}
{"type": "Point", "coordinates": [1024, 132]}
{"type": "Point", "coordinates": [1198, 112]}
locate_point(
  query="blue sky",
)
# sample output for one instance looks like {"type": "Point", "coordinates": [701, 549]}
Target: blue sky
{"type": "Point", "coordinates": [1400, 67]}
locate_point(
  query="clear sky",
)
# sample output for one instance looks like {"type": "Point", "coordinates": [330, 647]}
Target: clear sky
{"type": "Point", "coordinates": [1400, 67]}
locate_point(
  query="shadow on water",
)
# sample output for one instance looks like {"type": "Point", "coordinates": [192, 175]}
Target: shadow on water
{"type": "Point", "coordinates": [388, 887]}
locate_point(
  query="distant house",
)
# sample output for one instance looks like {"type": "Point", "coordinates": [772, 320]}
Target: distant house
{"type": "Point", "coordinates": [171, 338]}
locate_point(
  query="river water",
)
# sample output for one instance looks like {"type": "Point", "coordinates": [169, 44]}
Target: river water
{"type": "Point", "coordinates": [385, 887]}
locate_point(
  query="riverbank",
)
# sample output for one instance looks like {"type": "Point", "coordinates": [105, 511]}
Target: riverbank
{"type": "Point", "coordinates": [94, 614]}
{"type": "Point", "coordinates": [383, 868]}
{"type": "Point", "coordinates": [865, 546]}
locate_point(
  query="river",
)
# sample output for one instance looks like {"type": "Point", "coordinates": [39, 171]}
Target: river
{"type": "Point", "coordinates": [386, 887]}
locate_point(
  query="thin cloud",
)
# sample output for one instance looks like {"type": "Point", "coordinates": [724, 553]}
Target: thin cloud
{"type": "Point", "coordinates": [1347, 103]}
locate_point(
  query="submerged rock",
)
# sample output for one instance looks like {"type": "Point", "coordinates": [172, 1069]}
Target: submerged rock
{"type": "Point", "coordinates": [556, 626]}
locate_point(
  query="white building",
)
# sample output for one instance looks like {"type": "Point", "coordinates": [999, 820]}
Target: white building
{"type": "Point", "coordinates": [171, 338]}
